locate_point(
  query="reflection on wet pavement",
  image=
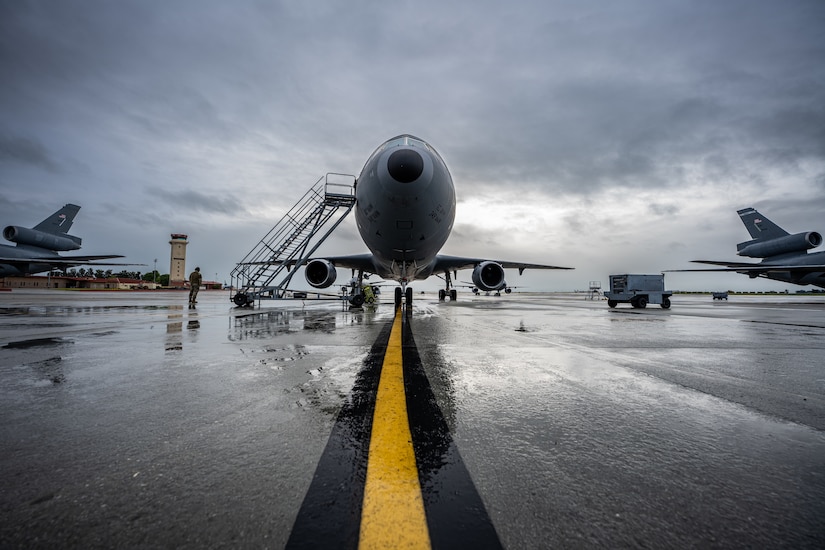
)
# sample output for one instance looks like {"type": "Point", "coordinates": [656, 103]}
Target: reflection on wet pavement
{"type": "Point", "coordinates": [130, 420]}
{"type": "Point", "coordinates": [37, 343]}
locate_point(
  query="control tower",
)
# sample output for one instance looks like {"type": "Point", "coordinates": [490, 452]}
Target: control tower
{"type": "Point", "coordinates": [177, 262]}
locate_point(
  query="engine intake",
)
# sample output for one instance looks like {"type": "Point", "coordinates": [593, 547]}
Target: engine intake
{"type": "Point", "coordinates": [782, 245]}
{"type": "Point", "coordinates": [41, 239]}
{"type": "Point", "coordinates": [488, 276]}
{"type": "Point", "coordinates": [320, 273]}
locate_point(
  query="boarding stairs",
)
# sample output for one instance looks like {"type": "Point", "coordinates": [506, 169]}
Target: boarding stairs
{"type": "Point", "coordinates": [266, 271]}
{"type": "Point", "coordinates": [594, 291]}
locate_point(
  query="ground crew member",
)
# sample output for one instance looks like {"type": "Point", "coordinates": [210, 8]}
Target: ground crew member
{"type": "Point", "coordinates": [369, 296]}
{"type": "Point", "coordinates": [195, 280]}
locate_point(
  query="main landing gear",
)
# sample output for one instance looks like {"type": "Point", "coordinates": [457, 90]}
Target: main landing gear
{"type": "Point", "coordinates": [449, 290]}
{"type": "Point", "coordinates": [452, 293]}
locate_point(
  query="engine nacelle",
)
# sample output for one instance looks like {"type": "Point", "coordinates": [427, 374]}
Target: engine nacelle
{"type": "Point", "coordinates": [488, 276]}
{"type": "Point", "coordinates": [320, 273]}
{"type": "Point", "coordinates": [782, 245]}
{"type": "Point", "coordinates": [33, 237]}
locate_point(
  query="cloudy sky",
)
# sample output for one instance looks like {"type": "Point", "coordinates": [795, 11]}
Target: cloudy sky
{"type": "Point", "coordinates": [611, 136]}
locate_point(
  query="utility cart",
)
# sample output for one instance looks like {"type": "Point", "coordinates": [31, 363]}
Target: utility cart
{"type": "Point", "coordinates": [638, 291]}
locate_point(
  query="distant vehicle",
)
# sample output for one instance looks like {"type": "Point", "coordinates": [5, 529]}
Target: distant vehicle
{"type": "Point", "coordinates": [720, 295]}
{"type": "Point", "coordinates": [638, 291]}
{"type": "Point", "coordinates": [299, 294]}
{"type": "Point", "coordinates": [36, 249]}
{"type": "Point", "coordinates": [784, 256]}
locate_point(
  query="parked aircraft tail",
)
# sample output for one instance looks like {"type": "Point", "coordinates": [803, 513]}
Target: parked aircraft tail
{"type": "Point", "coordinates": [770, 240]}
{"type": "Point", "coordinates": [784, 257]}
{"type": "Point", "coordinates": [59, 222]}
{"type": "Point", "coordinates": [760, 227]}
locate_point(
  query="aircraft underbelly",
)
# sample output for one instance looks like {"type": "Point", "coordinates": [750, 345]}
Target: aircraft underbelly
{"type": "Point", "coordinates": [406, 245]}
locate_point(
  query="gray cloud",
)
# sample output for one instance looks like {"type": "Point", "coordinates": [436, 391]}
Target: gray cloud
{"type": "Point", "coordinates": [28, 152]}
{"type": "Point", "coordinates": [188, 201]}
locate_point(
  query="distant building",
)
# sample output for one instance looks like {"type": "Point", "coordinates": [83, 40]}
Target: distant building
{"type": "Point", "coordinates": [62, 282]}
{"type": "Point", "coordinates": [177, 262]}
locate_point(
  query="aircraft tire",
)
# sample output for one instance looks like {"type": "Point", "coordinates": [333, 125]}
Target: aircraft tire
{"type": "Point", "coordinates": [398, 296]}
{"type": "Point", "coordinates": [441, 295]}
{"type": "Point", "coordinates": [409, 297]}
{"type": "Point", "coordinates": [453, 295]}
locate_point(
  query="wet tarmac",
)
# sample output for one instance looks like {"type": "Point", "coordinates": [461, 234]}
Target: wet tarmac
{"type": "Point", "coordinates": [537, 421]}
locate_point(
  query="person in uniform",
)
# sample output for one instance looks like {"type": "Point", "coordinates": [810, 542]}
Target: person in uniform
{"type": "Point", "coordinates": [195, 280]}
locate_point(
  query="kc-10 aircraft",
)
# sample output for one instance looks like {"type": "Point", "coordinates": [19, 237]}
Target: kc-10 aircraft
{"type": "Point", "coordinates": [784, 256]}
{"type": "Point", "coordinates": [405, 208]}
{"type": "Point", "coordinates": [36, 249]}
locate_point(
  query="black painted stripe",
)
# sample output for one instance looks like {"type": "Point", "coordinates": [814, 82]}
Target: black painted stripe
{"type": "Point", "coordinates": [455, 512]}
{"type": "Point", "coordinates": [330, 515]}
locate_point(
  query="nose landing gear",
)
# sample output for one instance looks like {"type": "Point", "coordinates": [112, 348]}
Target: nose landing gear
{"type": "Point", "coordinates": [407, 294]}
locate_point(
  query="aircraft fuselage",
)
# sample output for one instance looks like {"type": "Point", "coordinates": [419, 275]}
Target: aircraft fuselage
{"type": "Point", "coordinates": [405, 207]}
{"type": "Point", "coordinates": [816, 278]}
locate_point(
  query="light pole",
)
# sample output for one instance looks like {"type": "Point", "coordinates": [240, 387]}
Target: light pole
{"type": "Point", "coordinates": [155, 274]}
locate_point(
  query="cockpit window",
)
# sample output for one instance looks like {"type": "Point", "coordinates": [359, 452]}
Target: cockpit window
{"type": "Point", "coordinates": [395, 142]}
{"type": "Point", "coordinates": [403, 140]}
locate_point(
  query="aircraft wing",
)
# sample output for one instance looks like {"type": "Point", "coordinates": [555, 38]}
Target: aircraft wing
{"type": "Point", "coordinates": [746, 267]}
{"type": "Point", "coordinates": [352, 261]}
{"type": "Point", "coordinates": [442, 263]}
{"type": "Point", "coordinates": [452, 263]}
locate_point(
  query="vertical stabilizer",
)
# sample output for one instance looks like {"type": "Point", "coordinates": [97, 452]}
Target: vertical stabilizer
{"type": "Point", "coordinates": [760, 227]}
{"type": "Point", "coordinates": [59, 222]}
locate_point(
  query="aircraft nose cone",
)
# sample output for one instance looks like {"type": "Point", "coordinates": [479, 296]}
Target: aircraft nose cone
{"type": "Point", "coordinates": [405, 165]}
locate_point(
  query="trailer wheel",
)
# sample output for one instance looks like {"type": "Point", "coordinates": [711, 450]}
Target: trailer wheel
{"type": "Point", "coordinates": [641, 302]}
{"type": "Point", "coordinates": [241, 299]}
{"type": "Point", "coordinates": [665, 302]}
{"type": "Point", "coordinates": [612, 303]}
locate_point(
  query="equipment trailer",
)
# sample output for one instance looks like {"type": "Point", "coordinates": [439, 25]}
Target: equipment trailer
{"type": "Point", "coordinates": [638, 291]}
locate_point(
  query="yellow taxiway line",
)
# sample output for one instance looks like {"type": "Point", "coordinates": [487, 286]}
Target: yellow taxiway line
{"type": "Point", "coordinates": [393, 508]}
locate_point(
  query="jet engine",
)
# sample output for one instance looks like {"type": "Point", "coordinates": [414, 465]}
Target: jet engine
{"type": "Point", "coordinates": [320, 273]}
{"type": "Point", "coordinates": [33, 237]}
{"type": "Point", "coordinates": [782, 245]}
{"type": "Point", "coordinates": [488, 276]}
